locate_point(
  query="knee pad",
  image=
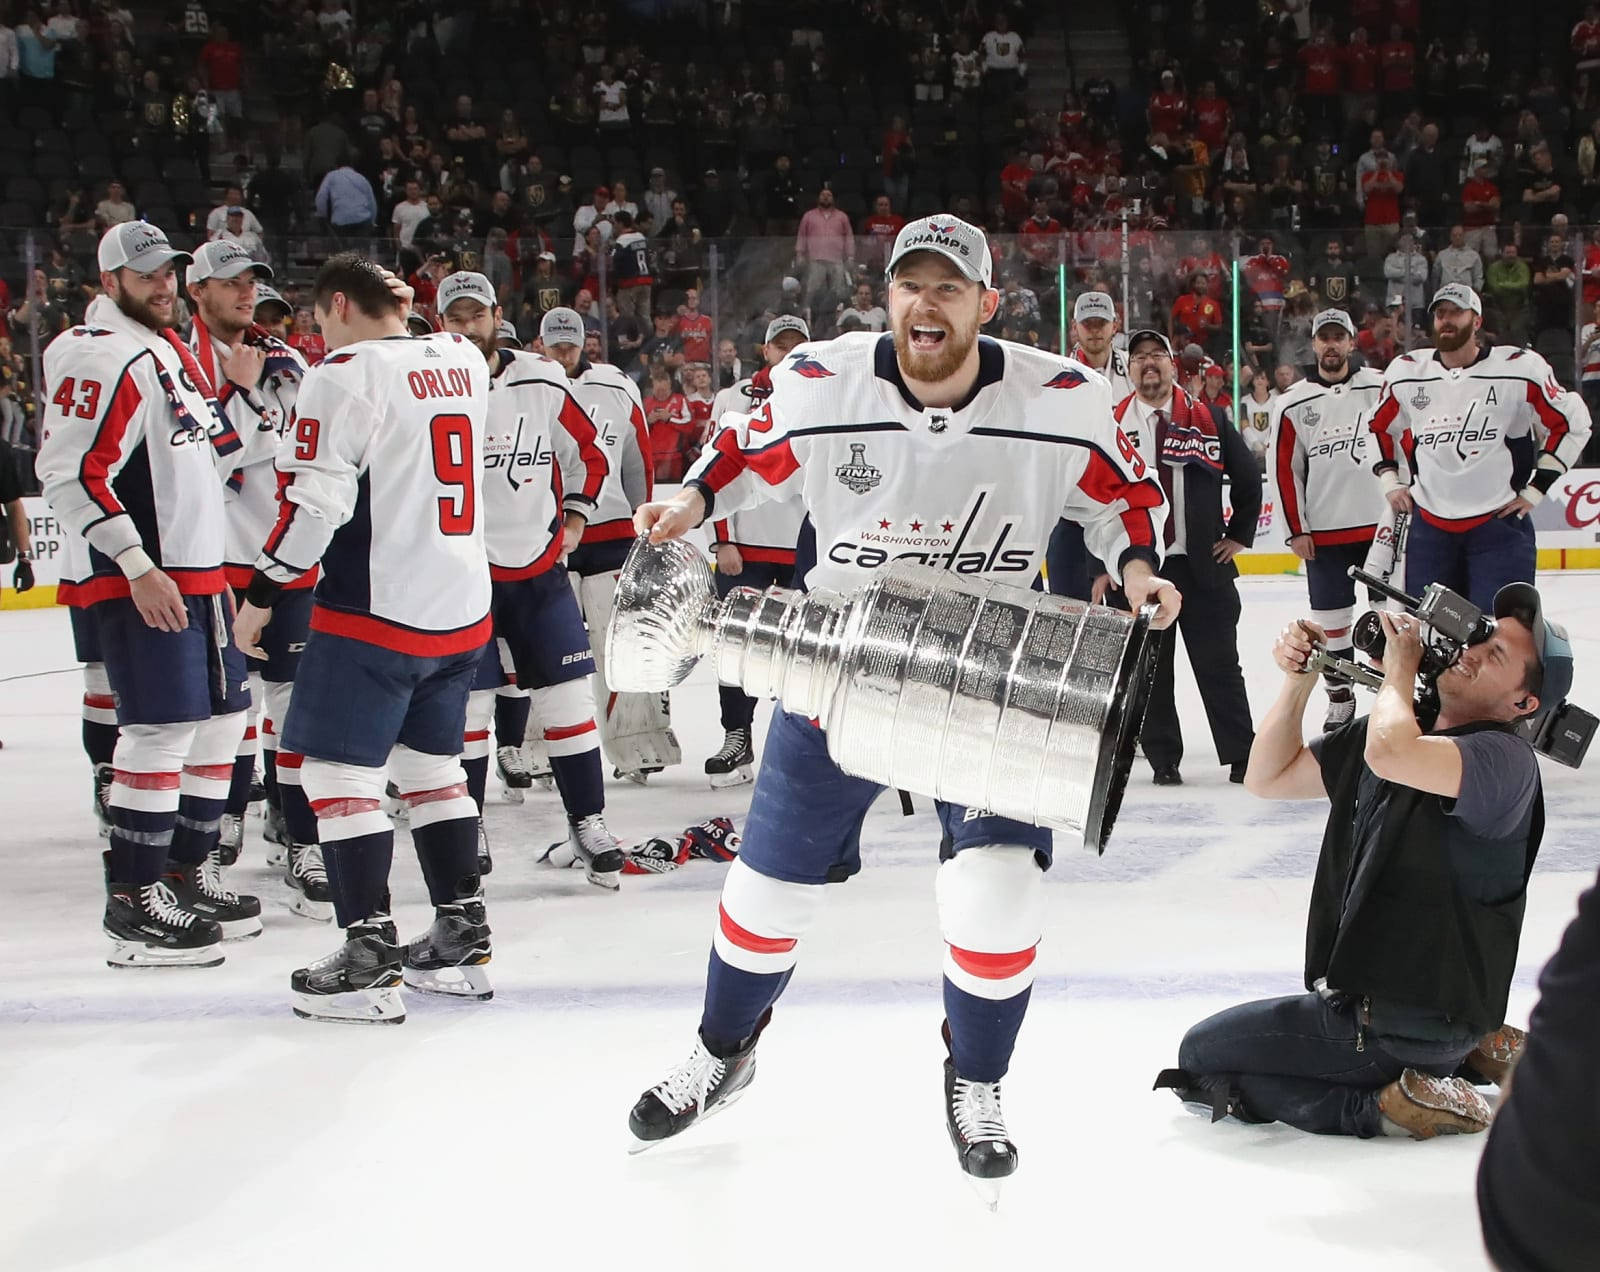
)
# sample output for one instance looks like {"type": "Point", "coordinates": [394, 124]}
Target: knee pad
{"type": "Point", "coordinates": [148, 766]}
{"type": "Point", "coordinates": [475, 741]}
{"type": "Point", "coordinates": [208, 768]}
{"type": "Point", "coordinates": [99, 706]}
{"type": "Point", "coordinates": [991, 912]}
{"type": "Point", "coordinates": [1337, 623]}
{"type": "Point", "coordinates": [434, 787]}
{"type": "Point", "coordinates": [760, 920]}
{"type": "Point", "coordinates": [565, 714]}
{"type": "Point", "coordinates": [347, 799]}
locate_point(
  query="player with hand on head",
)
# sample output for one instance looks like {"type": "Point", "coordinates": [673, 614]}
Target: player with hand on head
{"type": "Point", "coordinates": [543, 471]}
{"type": "Point", "coordinates": [933, 443]}
{"type": "Point", "coordinates": [754, 548]}
{"type": "Point", "coordinates": [635, 728]}
{"type": "Point", "coordinates": [130, 462]}
{"type": "Point", "coordinates": [1486, 431]}
{"type": "Point", "coordinates": [1320, 463]}
{"type": "Point", "coordinates": [382, 486]}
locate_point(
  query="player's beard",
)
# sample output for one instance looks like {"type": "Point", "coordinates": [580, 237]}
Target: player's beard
{"type": "Point", "coordinates": [1450, 343]}
{"type": "Point", "coordinates": [486, 345]}
{"type": "Point", "coordinates": [225, 326]}
{"type": "Point", "coordinates": [141, 312]}
{"type": "Point", "coordinates": [933, 365]}
{"type": "Point", "coordinates": [1332, 364]}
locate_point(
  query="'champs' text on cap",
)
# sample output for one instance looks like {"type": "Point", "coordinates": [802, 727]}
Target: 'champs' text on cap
{"type": "Point", "coordinates": [222, 259]}
{"type": "Point", "coordinates": [464, 284]}
{"type": "Point", "coordinates": [139, 246]}
{"type": "Point", "coordinates": [561, 326]}
{"type": "Point", "coordinates": [787, 322]}
{"type": "Point", "coordinates": [1094, 304]}
{"type": "Point", "coordinates": [1458, 294]}
{"type": "Point", "coordinates": [952, 238]}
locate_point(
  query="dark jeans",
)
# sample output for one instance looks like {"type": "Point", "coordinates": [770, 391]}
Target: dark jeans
{"type": "Point", "coordinates": [1295, 1060]}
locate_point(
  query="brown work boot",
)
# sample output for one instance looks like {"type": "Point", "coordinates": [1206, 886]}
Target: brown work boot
{"type": "Point", "coordinates": [1494, 1057]}
{"type": "Point", "coordinates": [1423, 1106]}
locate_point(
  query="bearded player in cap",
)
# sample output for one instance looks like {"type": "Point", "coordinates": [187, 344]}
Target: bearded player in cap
{"type": "Point", "coordinates": [543, 470]}
{"type": "Point", "coordinates": [1320, 459]}
{"type": "Point", "coordinates": [635, 729]}
{"type": "Point", "coordinates": [1094, 327]}
{"type": "Point", "coordinates": [755, 548]}
{"type": "Point", "coordinates": [258, 380]}
{"type": "Point", "coordinates": [132, 460]}
{"type": "Point", "coordinates": [928, 443]}
{"type": "Point", "coordinates": [1486, 431]}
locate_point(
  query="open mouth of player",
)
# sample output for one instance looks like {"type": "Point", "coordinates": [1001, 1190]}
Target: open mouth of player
{"type": "Point", "coordinates": [926, 339]}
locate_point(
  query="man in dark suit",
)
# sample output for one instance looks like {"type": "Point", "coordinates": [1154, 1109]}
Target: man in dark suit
{"type": "Point", "coordinates": [1192, 446]}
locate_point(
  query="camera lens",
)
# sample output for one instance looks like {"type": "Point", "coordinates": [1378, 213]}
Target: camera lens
{"type": "Point", "coordinates": [1367, 635]}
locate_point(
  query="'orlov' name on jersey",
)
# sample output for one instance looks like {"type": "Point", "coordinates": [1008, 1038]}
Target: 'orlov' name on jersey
{"type": "Point", "coordinates": [948, 543]}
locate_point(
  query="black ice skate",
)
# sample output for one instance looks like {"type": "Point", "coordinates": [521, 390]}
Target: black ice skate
{"type": "Point", "coordinates": [103, 774]}
{"type": "Point", "coordinates": [597, 848]}
{"type": "Point", "coordinates": [515, 774]}
{"type": "Point", "coordinates": [359, 982]}
{"type": "Point", "coordinates": [148, 928]}
{"type": "Point", "coordinates": [452, 956]}
{"type": "Point", "coordinates": [702, 1085]}
{"type": "Point", "coordinates": [307, 878]}
{"type": "Point", "coordinates": [485, 857]}
{"type": "Point", "coordinates": [734, 764]}
{"type": "Point", "coordinates": [200, 888]}
{"type": "Point", "coordinates": [231, 838]}
{"type": "Point", "coordinates": [275, 830]}
{"type": "Point", "coordinates": [538, 761]}
{"type": "Point", "coordinates": [1341, 707]}
{"type": "Point", "coordinates": [978, 1130]}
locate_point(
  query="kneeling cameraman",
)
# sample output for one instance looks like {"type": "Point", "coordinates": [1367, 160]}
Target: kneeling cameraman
{"type": "Point", "coordinates": [1416, 910]}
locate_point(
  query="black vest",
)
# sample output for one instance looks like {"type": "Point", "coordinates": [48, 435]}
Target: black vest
{"type": "Point", "coordinates": [1388, 917]}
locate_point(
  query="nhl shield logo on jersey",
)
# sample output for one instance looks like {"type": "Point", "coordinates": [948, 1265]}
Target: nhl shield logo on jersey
{"type": "Point", "coordinates": [856, 474]}
{"type": "Point", "coordinates": [1067, 379]}
{"type": "Point", "coordinates": [804, 364]}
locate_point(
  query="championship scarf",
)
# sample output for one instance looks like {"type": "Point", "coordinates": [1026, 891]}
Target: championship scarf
{"type": "Point", "coordinates": [1191, 435]}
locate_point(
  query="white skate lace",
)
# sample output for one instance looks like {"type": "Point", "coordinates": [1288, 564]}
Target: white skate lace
{"type": "Point", "coordinates": [210, 878]}
{"type": "Point", "coordinates": [977, 1111]}
{"type": "Point", "coordinates": [593, 837]}
{"type": "Point", "coordinates": [690, 1081]}
{"type": "Point", "coordinates": [513, 762]}
{"type": "Point", "coordinates": [308, 864]}
{"type": "Point", "coordinates": [161, 905]}
{"type": "Point", "coordinates": [734, 744]}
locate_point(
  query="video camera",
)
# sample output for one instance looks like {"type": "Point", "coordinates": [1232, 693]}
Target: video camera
{"type": "Point", "coordinates": [1452, 623]}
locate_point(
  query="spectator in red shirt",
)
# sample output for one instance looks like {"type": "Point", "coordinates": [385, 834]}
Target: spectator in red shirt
{"type": "Point", "coordinates": [1319, 61]}
{"type": "Point", "coordinates": [1586, 40]}
{"type": "Point", "coordinates": [1213, 118]}
{"type": "Point", "coordinates": [694, 329]}
{"type": "Point", "coordinates": [671, 428]}
{"type": "Point", "coordinates": [1041, 234]}
{"type": "Point", "coordinates": [878, 233]}
{"type": "Point", "coordinates": [1014, 178]}
{"type": "Point", "coordinates": [1376, 341]}
{"type": "Point", "coordinates": [1168, 108]}
{"type": "Point", "coordinates": [305, 337]}
{"type": "Point", "coordinates": [1196, 317]}
{"type": "Point", "coordinates": [1397, 57]}
{"type": "Point", "coordinates": [1381, 189]}
{"type": "Point", "coordinates": [1202, 259]}
{"type": "Point", "coordinates": [1266, 274]}
{"type": "Point", "coordinates": [1591, 271]}
{"type": "Point", "coordinates": [1211, 392]}
{"type": "Point", "coordinates": [1360, 73]}
{"type": "Point", "coordinates": [222, 72]}
{"type": "Point", "coordinates": [1480, 211]}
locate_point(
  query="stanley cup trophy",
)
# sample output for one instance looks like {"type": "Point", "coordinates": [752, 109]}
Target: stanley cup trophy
{"type": "Point", "coordinates": [979, 693]}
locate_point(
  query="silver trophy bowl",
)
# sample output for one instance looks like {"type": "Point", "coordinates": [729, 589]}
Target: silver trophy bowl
{"type": "Point", "coordinates": [980, 693]}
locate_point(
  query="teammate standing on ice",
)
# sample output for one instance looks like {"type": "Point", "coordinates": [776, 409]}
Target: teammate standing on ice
{"type": "Point", "coordinates": [1322, 468]}
{"type": "Point", "coordinates": [133, 442]}
{"type": "Point", "coordinates": [634, 727]}
{"type": "Point", "coordinates": [753, 549]}
{"type": "Point", "coordinates": [1487, 431]}
{"type": "Point", "coordinates": [543, 470]}
{"type": "Point", "coordinates": [258, 379]}
{"type": "Point", "coordinates": [933, 444]}
{"type": "Point", "coordinates": [382, 485]}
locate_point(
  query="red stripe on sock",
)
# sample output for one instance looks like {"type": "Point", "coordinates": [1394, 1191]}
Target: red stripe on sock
{"type": "Point", "coordinates": [475, 735]}
{"type": "Point", "coordinates": [749, 940]}
{"type": "Point", "coordinates": [993, 966]}
{"type": "Point", "coordinates": [343, 807]}
{"type": "Point", "coordinates": [100, 701]}
{"type": "Point", "coordinates": [215, 772]}
{"type": "Point", "coordinates": [249, 733]}
{"type": "Point", "coordinates": [266, 727]}
{"type": "Point", "coordinates": [147, 781]}
{"type": "Point", "coordinates": [428, 797]}
{"type": "Point", "coordinates": [568, 731]}
{"type": "Point", "coordinates": [290, 759]}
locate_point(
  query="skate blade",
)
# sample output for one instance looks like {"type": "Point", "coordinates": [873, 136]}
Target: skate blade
{"type": "Point", "coordinates": [988, 1190]}
{"type": "Point", "coordinates": [241, 929]}
{"type": "Point", "coordinates": [637, 1145]}
{"type": "Point", "coordinates": [639, 777]}
{"type": "Point", "coordinates": [137, 955]}
{"type": "Point", "coordinates": [306, 908]}
{"type": "Point", "coordinates": [358, 1007]}
{"type": "Point", "coordinates": [512, 794]}
{"type": "Point", "coordinates": [610, 880]}
{"type": "Point", "coordinates": [740, 776]}
{"type": "Point", "coordinates": [451, 982]}
{"type": "Point", "coordinates": [545, 781]}
{"type": "Point", "coordinates": [277, 857]}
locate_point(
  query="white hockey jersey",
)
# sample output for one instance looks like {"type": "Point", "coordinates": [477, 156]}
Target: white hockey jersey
{"type": "Point", "coordinates": [261, 418]}
{"type": "Point", "coordinates": [612, 402]}
{"type": "Point", "coordinates": [975, 488]}
{"type": "Point", "coordinates": [133, 450]}
{"type": "Point", "coordinates": [1478, 436]}
{"type": "Point", "coordinates": [383, 483]}
{"type": "Point", "coordinates": [541, 460]}
{"type": "Point", "coordinates": [769, 531]}
{"type": "Point", "coordinates": [1115, 371]}
{"type": "Point", "coordinates": [1322, 456]}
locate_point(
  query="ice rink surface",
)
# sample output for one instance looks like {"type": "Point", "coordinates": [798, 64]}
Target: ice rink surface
{"type": "Point", "coordinates": [154, 1119]}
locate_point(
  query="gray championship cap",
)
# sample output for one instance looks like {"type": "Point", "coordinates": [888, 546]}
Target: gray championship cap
{"type": "Point", "coordinates": [963, 245]}
{"type": "Point", "coordinates": [269, 295]}
{"type": "Point", "coordinates": [222, 259]}
{"type": "Point", "coordinates": [1094, 304]}
{"type": "Point", "coordinates": [1333, 318]}
{"type": "Point", "coordinates": [139, 246]}
{"type": "Point", "coordinates": [464, 285]}
{"type": "Point", "coordinates": [561, 326]}
{"type": "Point", "coordinates": [787, 322]}
{"type": "Point", "coordinates": [419, 324]}
{"type": "Point", "coordinates": [1550, 642]}
{"type": "Point", "coordinates": [506, 335]}
{"type": "Point", "coordinates": [1458, 294]}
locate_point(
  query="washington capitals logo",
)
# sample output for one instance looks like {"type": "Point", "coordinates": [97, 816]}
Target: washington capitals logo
{"type": "Point", "coordinates": [804, 364]}
{"type": "Point", "coordinates": [856, 474]}
{"type": "Point", "coordinates": [941, 229]}
{"type": "Point", "coordinates": [1068, 379]}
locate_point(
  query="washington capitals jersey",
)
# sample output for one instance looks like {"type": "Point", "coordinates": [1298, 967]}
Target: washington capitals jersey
{"type": "Point", "coordinates": [1115, 372]}
{"type": "Point", "coordinates": [132, 455]}
{"type": "Point", "coordinates": [1322, 456]}
{"type": "Point", "coordinates": [383, 483]}
{"type": "Point", "coordinates": [261, 418]}
{"type": "Point", "coordinates": [770, 530]}
{"type": "Point", "coordinates": [975, 488]}
{"type": "Point", "coordinates": [1477, 436]}
{"type": "Point", "coordinates": [541, 460]}
{"type": "Point", "coordinates": [613, 405]}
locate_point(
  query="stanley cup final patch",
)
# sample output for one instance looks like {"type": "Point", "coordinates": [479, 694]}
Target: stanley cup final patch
{"type": "Point", "coordinates": [856, 474]}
